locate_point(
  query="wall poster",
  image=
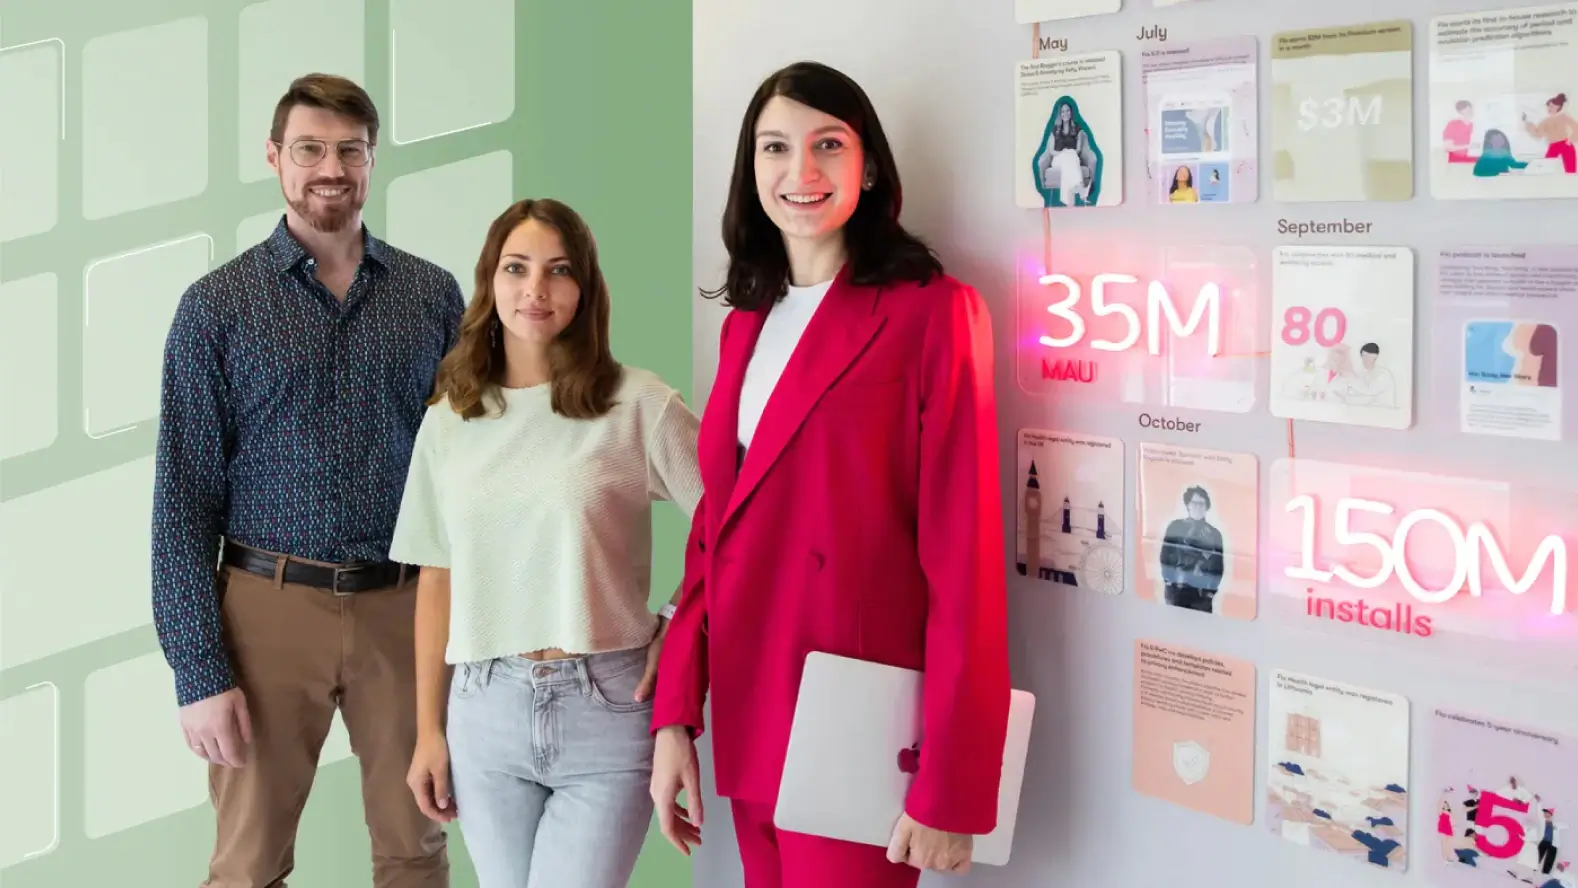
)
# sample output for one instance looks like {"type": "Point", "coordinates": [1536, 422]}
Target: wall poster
{"type": "Point", "coordinates": [1342, 344]}
{"type": "Point", "coordinates": [1342, 113]}
{"type": "Point", "coordinates": [1030, 12]}
{"type": "Point", "coordinates": [1337, 769]}
{"type": "Point", "coordinates": [1194, 730]}
{"type": "Point", "coordinates": [1202, 122]}
{"type": "Point", "coordinates": [1501, 316]}
{"type": "Point", "coordinates": [1199, 516]}
{"type": "Point", "coordinates": [1069, 125]}
{"type": "Point", "coordinates": [1502, 124]}
{"type": "Point", "coordinates": [1503, 796]}
{"type": "Point", "coordinates": [1070, 512]}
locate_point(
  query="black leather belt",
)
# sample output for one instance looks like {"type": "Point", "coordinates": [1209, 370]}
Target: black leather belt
{"type": "Point", "coordinates": [346, 579]}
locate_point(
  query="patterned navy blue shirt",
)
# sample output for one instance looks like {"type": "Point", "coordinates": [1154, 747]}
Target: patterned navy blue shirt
{"type": "Point", "coordinates": [286, 423]}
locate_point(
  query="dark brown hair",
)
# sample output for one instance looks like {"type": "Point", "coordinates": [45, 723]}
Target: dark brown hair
{"type": "Point", "coordinates": [880, 250]}
{"type": "Point", "coordinates": [585, 373]}
{"type": "Point", "coordinates": [328, 92]}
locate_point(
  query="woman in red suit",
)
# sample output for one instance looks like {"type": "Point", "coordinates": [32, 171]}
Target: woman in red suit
{"type": "Point", "coordinates": [850, 504]}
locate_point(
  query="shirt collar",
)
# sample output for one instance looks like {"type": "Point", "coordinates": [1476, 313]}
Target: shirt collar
{"type": "Point", "coordinates": [290, 253]}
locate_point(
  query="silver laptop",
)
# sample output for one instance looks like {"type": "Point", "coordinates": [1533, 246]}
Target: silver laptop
{"type": "Point", "coordinates": [851, 755]}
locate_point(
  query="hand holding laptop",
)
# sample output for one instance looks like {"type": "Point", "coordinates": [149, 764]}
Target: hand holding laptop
{"type": "Point", "coordinates": [929, 849]}
{"type": "Point", "coordinates": [854, 748]}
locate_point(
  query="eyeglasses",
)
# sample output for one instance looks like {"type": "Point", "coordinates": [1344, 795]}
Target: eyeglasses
{"type": "Point", "coordinates": [311, 152]}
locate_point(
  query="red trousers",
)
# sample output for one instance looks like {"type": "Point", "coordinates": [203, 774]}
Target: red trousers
{"type": "Point", "coordinates": [773, 858]}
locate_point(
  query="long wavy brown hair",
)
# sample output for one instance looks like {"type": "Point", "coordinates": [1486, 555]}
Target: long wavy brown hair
{"type": "Point", "coordinates": [585, 373]}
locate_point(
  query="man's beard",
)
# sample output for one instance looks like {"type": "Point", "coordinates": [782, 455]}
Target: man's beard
{"type": "Point", "coordinates": [327, 220]}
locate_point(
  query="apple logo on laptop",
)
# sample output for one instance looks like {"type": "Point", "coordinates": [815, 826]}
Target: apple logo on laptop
{"type": "Point", "coordinates": [909, 759]}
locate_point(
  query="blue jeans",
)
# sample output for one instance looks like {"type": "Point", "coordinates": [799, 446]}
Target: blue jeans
{"type": "Point", "coordinates": [551, 763]}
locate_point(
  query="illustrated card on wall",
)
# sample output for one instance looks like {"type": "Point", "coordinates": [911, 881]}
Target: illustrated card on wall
{"type": "Point", "coordinates": [1194, 730]}
{"type": "Point", "coordinates": [1070, 510]}
{"type": "Point", "coordinates": [1030, 12]}
{"type": "Point", "coordinates": [1501, 123]}
{"type": "Point", "coordinates": [1199, 516]}
{"type": "Point", "coordinates": [1202, 124]}
{"type": "Point", "coordinates": [1501, 798]}
{"type": "Point", "coordinates": [1500, 315]}
{"type": "Point", "coordinates": [1342, 113]}
{"type": "Point", "coordinates": [1069, 126]}
{"type": "Point", "coordinates": [1342, 344]}
{"type": "Point", "coordinates": [1337, 758]}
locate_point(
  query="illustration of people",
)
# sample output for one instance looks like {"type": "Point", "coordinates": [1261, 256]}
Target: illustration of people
{"type": "Point", "coordinates": [1446, 831]}
{"type": "Point", "coordinates": [1304, 385]}
{"type": "Point", "coordinates": [1379, 842]}
{"type": "Point", "coordinates": [1333, 377]}
{"type": "Point", "coordinates": [1550, 840]}
{"type": "Point", "coordinates": [1537, 858]}
{"type": "Point", "coordinates": [1068, 166]}
{"type": "Point", "coordinates": [1533, 350]}
{"type": "Point", "coordinates": [1526, 812]}
{"type": "Point", "coordinates": [1191, 556]}
{"type": "Point", "coordinates": [1378, 839]}
{"type": "Point", "coordinates": [1459, 848]}
{"type": "Point", "coordinates": [1560, 879]}
{"type": "Point", "coordinates": [1458, 135]}
{"type": "Point", "coordinates": [1182, 190]}
{"type": "Point", "coordinates": [1371, 385]}
{"type": "Point", "coordinates": [1559, 131]}
{"type": "Point", "coordinates": [1206, 124]}
{"type": "Point", "coordinates": [1495, 156]}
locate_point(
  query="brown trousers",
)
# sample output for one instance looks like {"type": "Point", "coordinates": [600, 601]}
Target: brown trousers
{"type": "Point", "coordinates": [300, 653]}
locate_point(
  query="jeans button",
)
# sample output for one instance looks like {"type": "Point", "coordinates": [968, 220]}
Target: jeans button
{"type": "Point", "coordinates": [544, 671]}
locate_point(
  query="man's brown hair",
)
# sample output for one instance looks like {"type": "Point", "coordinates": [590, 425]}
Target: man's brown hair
{"type": "Point", "coordinates": [330, 92]}
{"type": "Point", "coordinates": [585, 374]}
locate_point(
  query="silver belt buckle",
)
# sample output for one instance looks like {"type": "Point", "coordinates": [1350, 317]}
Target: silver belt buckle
{"type": "Point", "coordinates": [335, 586]}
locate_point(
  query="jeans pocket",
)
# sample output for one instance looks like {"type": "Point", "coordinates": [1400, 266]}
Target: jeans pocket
{"type": "Point", "coordinates": [464, 682]}
{"type": "Point", "coordinates": [615, 690]}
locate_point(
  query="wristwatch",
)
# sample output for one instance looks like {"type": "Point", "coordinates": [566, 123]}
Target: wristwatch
{"type": "Point", "coordinates": [667, 611]}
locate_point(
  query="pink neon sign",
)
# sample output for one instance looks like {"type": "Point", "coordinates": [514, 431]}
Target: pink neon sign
{"type": "Point", "coordinates": [1142, 325]}
{"type": "Point", "coordinates": [1478, 565]}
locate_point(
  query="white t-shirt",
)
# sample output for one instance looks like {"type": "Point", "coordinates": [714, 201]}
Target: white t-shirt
{"type": "Point", "coordinates": [781, 332]}
{"type": "Point", "coordinates": [545, 522]}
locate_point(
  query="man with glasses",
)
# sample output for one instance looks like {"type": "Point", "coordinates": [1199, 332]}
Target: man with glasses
{"type": "Point", "coordinates": [295, 378]}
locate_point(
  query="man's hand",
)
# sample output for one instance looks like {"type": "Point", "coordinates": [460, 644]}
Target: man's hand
{"type": "Point", "coordinates": [673, 769]}
{"type": "Point", "coordinates": [930, 849]}
{"type": "Point", "coordinates": [654, 653]}
{"type": "Point", "coordinates": [218, 729]}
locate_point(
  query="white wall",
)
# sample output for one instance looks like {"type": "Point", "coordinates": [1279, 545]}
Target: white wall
{"type": "Point", "coordinates": [940, 73]}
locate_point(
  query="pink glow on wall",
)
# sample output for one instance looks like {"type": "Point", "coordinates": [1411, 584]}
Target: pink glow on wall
{"type": "Point", "coordinates": [1140, 324]}
{"type": "Point", "coordinates": [1474, 564]}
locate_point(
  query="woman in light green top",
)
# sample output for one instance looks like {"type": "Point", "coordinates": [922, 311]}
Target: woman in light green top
{"type": "Point", "coordinates": [528, 508]}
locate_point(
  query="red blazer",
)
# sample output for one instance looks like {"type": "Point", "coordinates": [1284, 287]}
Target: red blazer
{"type": "Point", "coordinates": [864, 521]}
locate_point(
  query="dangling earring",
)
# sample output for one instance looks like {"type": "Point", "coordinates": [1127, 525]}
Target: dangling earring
{"type": "Point", "coordinates": [493, 333]}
